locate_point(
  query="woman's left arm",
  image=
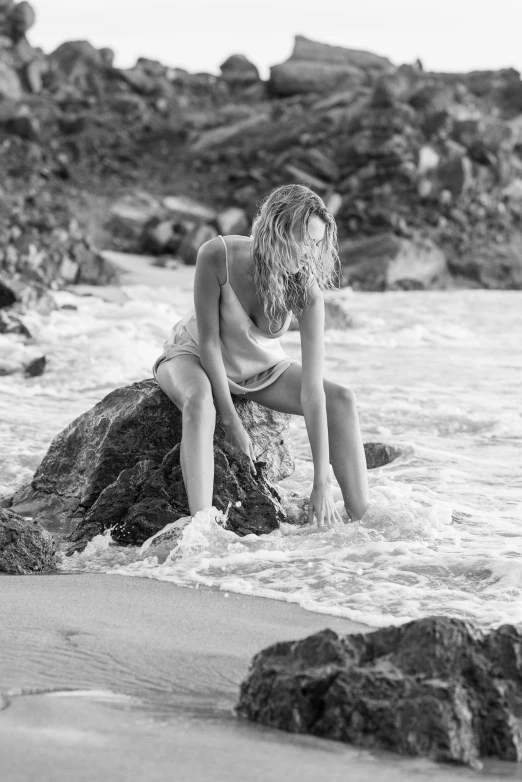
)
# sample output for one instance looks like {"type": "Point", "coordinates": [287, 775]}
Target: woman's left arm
{"type": "Point", "coordinates": [313, 402]}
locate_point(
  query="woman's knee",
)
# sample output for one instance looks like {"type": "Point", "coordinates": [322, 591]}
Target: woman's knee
{"type": "Point", "coordinates": [198, 405]}
{"type": "Point", "coordinates": [343, 400]}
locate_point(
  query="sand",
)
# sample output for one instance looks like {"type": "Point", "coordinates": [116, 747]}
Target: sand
{"type": "Point", "coordinates": [126, 678]}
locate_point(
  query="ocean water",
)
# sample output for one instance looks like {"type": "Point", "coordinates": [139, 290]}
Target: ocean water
{"type": "Point", "coordinates": [438, 374]}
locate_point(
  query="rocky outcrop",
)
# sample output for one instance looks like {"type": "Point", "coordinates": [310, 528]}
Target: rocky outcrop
{"type": "Point", "coordinates": [118, 466]}
{"type": "Point", "coordinates": [316, 67]}
{"type": "Point", "coordinates": [387, 262]}
{"type": "Point", "coordinates": [24, 546]}
{"type": "Point", "coordinates": [436, 687]}
{"type": "Point", "coordinates": [174, 225]}
{"type": "Point", "coordinates": [41, 247]}
{"type": "Point", "coordinates": [429, 158]}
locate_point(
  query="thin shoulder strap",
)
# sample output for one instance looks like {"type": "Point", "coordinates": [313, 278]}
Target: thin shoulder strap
{"type": "Point", "coordinates": [226, 253]}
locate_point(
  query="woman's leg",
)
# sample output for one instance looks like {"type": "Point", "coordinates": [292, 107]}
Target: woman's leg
{"type": "Point", "coordinates": [187, 385]}
{"type": "Point", "coordinates": [346, 447]}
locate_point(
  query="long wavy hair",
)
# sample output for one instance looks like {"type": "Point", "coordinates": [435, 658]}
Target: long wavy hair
{"type": "Point", "coordinates": [278, 232]}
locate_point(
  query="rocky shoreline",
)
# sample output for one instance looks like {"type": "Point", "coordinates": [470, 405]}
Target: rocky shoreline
{"type": "Point", "coordinates": [423, 170]}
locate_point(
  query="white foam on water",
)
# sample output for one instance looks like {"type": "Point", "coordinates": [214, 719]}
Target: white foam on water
{"type": "Point", "coordinates": [436, 374]}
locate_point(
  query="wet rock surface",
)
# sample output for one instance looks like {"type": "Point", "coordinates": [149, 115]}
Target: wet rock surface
{"type": "Point", "coordinates": [118, 466]}
{"type": "Point", "coordinates": [24, 546]}
{"type": "Point", "coordinates": [436, 687]}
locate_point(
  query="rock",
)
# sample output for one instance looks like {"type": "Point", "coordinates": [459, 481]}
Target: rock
{"type": "Point", "coordinates": [81, 64]}
{"type": "Point", "coordinates": [129, 215]}
{"type": "Point", "coordinates": [33, 75]}
{"type": "Point", "coordinates": [491, 265]}
{"type": "Point", "coordinates": [12, 323]}
{"type": "Point", "coordinates": [21, 19]}
{"type": "Point", "coordinates": [428, 160]}
{"type": "Point", "coordinates": [455, 175]}
{"type": "Point", "coordinates": [188, 249]}
{"type": "Point", "coordinates": [379, 454]}
{"type": "Point", "coordinates": [7, 294]}
{"type": "Point", "coordinates": [319, 67]}
{"type": "Point", "coordinates": [386, 262]}
{"type": "Point", "coordinates": [161, 544]}
{"type": "Point", "coordinates": [161, 236]}
{"type": "Point", "coordinates": [185, 207]}
{"type": "Point", "coordinates": [107, 56]}
{"type": "Point", "coordinates": [233, 221]}
{"type": "Point", "coordinates": [513, 191]}
{"type": "Point", "coordinates": [314, 51]}
{"type": "Point", "coordinates": [391, 88]}
{"type": "Point", "coordinates": [238, 70]}
{"type": "Point", "coordinates": [431, 98]}
{"type": "Point", "coordinates": [30, 295]}
{"type": "Point", "coordinates": [25, 126]}
{"type": "Point", "coordinates": [117, 465]}
{"type": "Point", "coordinates": [70, 53]}
{"type": "Point", "coordinates": [10, 84]}
{"type": "Point", "coordinates": [299, 77]}
{"type": "Point", "coordinates": [320, 164]}
{"type": "Point", "coordinates": [93, 267]}
{"type": "Point", "coordinates": [437, 687]}
{"type": "Point", "coordinates": [36, 367]}
{"type": "Point", "coordinates": [304, 178]}
{"type": "Point", "coordinates": [333, 203]}
{"type": "Point", "coordinates": [217, 136]}
{"type": "Point", "coordinates": [24, 546]}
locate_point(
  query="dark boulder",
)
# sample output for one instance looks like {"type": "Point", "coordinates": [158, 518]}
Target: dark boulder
{"type": "Point", "coordinates": [436, 687]}
{"type": "Point", "coordinates": [36, 367]}
{"type": "Point", "coordinates": [379, 454]}
{"type": "Point", "coordinates": [238, 70]}
{"type": "Point", "coordinates": [24, 546]}
{"type": "Point", "coordinates": [117, 465]}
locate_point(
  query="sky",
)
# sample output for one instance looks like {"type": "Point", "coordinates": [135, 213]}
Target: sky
{"type": "Point", "coordinates": [447, 35]}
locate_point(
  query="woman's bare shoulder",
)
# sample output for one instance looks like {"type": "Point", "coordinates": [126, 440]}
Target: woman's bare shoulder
{"type": "Point", "coordinates": [211, 259]}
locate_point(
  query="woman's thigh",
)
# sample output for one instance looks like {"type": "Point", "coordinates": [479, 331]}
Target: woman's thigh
{"type": "Point", "coordinates": [284, 394]}
{"type": "Point", "coordinates": [182, 377]}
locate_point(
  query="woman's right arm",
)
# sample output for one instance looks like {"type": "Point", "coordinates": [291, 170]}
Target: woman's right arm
{"type": "Point", "coordinates": [207, 292]}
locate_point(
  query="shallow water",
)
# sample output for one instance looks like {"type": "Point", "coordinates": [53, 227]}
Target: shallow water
{"type": "Point", "coordinates": [436, 373]}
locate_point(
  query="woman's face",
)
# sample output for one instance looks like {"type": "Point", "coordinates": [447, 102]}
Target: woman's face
{"type": "Point", "coordinates": [305, 244]}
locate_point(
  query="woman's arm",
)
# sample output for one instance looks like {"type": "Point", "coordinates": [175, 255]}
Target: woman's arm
{"type": "Point", "coordinates": [207, 292]}
{"type": "Point", "coordinates": [313, 402]}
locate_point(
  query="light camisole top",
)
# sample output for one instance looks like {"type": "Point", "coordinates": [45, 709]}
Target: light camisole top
{"type": "Point", "coordinates": [253, 358]}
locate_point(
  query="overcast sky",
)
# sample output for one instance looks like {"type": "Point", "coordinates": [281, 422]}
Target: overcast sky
{"type": "Point", "coordinates": [452, 35]}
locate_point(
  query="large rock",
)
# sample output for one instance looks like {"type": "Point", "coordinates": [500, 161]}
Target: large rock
{"type": "Point", "coordinates": [315, 51]}
{"type": "Point", "coordinates": [10, 84]}
{"type": "Point", "coordinates": [117, 465]}
{"type": "Point", "coordinates": [319, 67]}
{"type": "Point", "coordinates": [387, 262]}
{"type": "Point", "coordinates": [21, 19]}
{"type": "Point", "coordinates": [24, 546]}
{"type": "Point", "coordinates": [238, 70]}
{"type": "Point", "coordinates": [81, 64]}
{"type": "Point", "coordinates": [490, 265]}
{"type": "Point", "coordinates": [436, 687]}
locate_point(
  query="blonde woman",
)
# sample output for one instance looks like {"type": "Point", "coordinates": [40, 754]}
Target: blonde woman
{"type": "Point", "coordinates": [245, 291]}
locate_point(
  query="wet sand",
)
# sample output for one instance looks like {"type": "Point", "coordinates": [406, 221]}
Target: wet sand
{"type": "Point", "coordinates": [133, 679]}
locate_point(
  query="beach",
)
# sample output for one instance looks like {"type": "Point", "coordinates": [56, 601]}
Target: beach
{"type": "Point", "coordinates": [134, 679]}
{"type": "Point", "coordinates": [125, 669]}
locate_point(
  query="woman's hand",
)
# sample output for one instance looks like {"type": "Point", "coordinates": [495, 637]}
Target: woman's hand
{"type": "Point", "coordinates": [236, 435]}
{"type": "Point", "coordinates": [322, 505]}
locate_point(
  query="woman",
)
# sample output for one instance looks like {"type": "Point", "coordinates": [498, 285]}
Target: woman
{"type": "Point", "coordinates": [245, 291]}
